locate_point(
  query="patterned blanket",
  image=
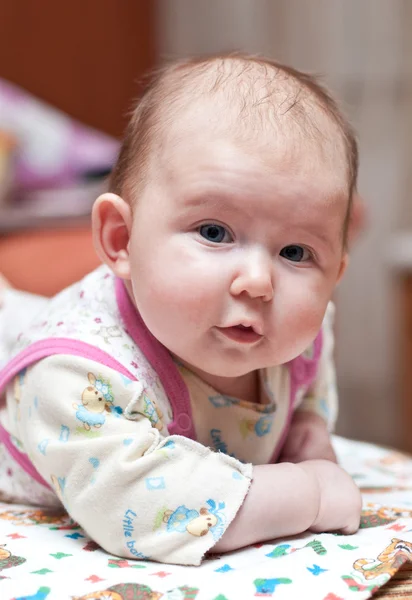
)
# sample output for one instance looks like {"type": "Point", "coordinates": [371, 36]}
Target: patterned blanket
{"type": "Point", "coordinates": [45, 555]}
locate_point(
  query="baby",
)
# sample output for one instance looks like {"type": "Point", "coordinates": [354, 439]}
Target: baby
{"type": "Point", "coordinates": [141, 396]}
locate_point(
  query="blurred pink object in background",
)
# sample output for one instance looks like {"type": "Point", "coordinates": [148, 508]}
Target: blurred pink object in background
{"type": "Point", "coordinates": [52, 149]}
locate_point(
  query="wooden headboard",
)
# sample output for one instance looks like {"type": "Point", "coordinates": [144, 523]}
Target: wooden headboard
{"type": "Point", "coordinates": [84, 57]}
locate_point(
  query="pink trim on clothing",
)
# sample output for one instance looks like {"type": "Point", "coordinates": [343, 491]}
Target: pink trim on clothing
{"type": "Point", "coordinates": [50, 346]}
{"type": "Point", "coordinates": [36, 352]}
{"type": "Point", "coordinates": [161, 361]}
{"type": "Point", "coordinates": [302, 372]}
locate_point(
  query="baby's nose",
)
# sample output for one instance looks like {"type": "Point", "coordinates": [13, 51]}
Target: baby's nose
{"type": "Point", "coordinates": [254, 277]}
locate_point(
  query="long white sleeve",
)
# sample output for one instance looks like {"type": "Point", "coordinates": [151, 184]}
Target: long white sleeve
{"type": "Point", "coordinates": [101, 441]}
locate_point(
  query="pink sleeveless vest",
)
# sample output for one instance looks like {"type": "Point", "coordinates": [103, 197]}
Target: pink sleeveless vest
{"type": "Point", "coordinates": [79, 321]}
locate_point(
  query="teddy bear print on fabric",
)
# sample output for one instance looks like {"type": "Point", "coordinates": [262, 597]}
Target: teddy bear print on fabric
{"type": "Point", "coordinates": [97, 398]}
{"type": "Point", "coordinates": [197, 523]}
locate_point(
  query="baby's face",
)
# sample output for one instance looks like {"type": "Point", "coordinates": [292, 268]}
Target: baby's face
{"type": "Point", "coordinates": [235, 252]}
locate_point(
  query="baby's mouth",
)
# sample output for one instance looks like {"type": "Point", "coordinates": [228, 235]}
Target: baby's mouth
{"type": "Point", "coordinates": [241, 334]}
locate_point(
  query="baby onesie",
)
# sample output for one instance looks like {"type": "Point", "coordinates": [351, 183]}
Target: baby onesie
{"type": "Point", "coordinates": [151, 461]}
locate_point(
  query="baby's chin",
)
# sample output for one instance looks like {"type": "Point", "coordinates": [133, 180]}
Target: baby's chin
{"type": "Point", "coordinates": [234, 364]}
{"type": "Point", "coordinates": [227, 369]}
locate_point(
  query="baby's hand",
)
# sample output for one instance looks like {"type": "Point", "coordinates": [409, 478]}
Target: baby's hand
{"type": "Point", "coordinates": [340, 499]}
{"type": "Point", "coordinates": [308, 439]}
{"type": "Point", "coordinates": [316, 495]}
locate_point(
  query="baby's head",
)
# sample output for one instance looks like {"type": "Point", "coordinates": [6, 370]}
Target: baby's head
{"type": "Point", "coordinates": [229, 210]}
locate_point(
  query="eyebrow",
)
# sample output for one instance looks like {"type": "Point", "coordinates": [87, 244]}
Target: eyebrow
{"type": "Point", "coordinates": [217, 200]}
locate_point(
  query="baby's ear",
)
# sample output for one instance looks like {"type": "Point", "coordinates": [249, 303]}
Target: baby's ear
{"type": "Point", "coordinates": [111, 224]}
{"type": "Point", "coordinates": [358, 218]}
{"type": "Point", "coordinates": [343, 266]}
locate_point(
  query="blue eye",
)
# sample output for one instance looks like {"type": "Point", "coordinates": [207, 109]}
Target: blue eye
{"type": "Point", "coordinates": [295, 253]}
{"type": "Point", "coordinates": [215, 233]}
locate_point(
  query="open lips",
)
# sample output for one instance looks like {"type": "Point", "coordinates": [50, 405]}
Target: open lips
{"type": "Point", "coordinates": [241, 333]}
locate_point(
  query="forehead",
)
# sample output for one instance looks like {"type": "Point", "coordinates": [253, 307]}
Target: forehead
{"type": "Point", "coordinates": [207, 143]}
{"type": "Point", "coordinates": [208, 126]}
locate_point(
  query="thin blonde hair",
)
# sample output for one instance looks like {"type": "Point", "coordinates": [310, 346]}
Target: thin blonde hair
{"type": "Point", "coordinates": [249, 82]}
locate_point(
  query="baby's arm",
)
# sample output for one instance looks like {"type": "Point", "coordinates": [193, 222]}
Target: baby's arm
{"type": "Point", "coordinates": [136, 490]}
{"type": "Point", "coordinates": [309, 434]}
{"type": "Point", "coordinates": [139, 492]}
{"type": "Point", "coordinates": [308, 439]}
{"type": "Point", "coordinates": [286, 499]}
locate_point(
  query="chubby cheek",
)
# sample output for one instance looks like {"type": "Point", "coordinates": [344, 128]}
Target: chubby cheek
{"type": "Point", "coordinates": [301, 311]}
{"type": "Point", "coordinates": [306, 325]}
{"type": "Point", "coordinates": [172, 285]}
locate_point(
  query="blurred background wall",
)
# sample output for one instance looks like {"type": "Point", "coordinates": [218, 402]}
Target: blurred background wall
{"type": "Point", "coordinates": [85, 58]}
